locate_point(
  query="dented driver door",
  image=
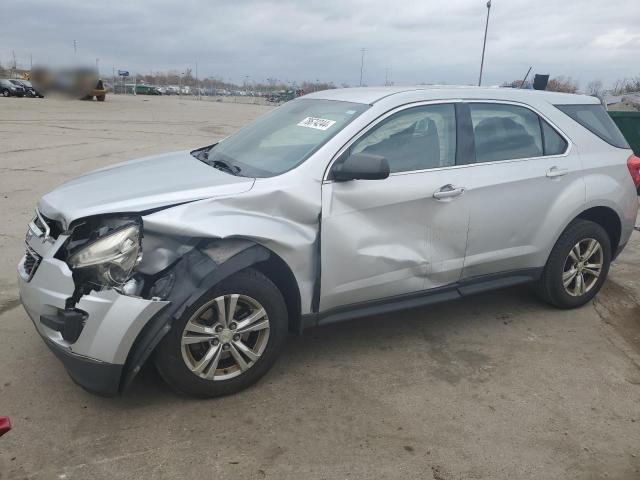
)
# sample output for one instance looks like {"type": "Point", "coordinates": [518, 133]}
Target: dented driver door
{"type": "Point", "coordinates": [403, 234]}
{"type": "Point", "coordinates": [382, 238]}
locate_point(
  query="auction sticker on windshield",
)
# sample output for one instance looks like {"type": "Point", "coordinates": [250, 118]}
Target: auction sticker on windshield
{"type": "Point", "coordinates": [317, 123]}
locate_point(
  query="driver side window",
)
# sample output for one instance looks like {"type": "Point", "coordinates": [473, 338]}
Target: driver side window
{"type": "Point", "coordinates": [417, 138]}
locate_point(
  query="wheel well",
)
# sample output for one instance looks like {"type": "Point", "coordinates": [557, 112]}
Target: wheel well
{"type": "Point", "coordinates": [279, 273]}
{"type": "Point", "coordinates": [607, 219]}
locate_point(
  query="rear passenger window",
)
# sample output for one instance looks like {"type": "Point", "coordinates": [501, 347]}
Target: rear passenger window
{"type": "Point", "coordinates": [504, 132]}
{"type": "Point", "coordinates": [417, 138]}
{"type": "Point", "coordinates": [554, 144]}
{"type": "Point", "coordinates": [595, 119]}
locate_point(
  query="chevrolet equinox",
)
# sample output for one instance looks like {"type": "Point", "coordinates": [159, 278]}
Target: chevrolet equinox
{"type": "Point", "coordinates": [340, 204]}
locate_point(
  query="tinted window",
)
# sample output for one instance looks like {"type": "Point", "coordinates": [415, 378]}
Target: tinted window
{"type": "Point", "coordinates": [554, 144]}
{"type": "Point", "coordinates": [504, 132]}
{"type": "Point", "coordinates": [598, 121]}
{"type": "Point", "coordinates": [414, 139]}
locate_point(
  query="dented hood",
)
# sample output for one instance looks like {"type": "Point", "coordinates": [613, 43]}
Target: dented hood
{"type": "Point", "coordinates": [140, 185]}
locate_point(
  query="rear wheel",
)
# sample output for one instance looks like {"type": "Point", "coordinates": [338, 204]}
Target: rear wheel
{"type": "Point", "coordinates": [578, 265]}
{"type": "Point", "coordinates": [5, 93]}
{"type": "Point", "coordinates": [227, 340]}
{"type": "Point", "coordinates": [100, 98]}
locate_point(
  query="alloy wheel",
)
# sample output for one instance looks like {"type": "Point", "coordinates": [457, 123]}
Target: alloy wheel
{"type": "Point", "coordinates": [583, 267]}
{"type": "Point", "coordinates": [225, 337]}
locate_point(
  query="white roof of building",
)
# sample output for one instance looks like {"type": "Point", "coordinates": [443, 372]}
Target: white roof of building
{"type": "Point", "coordinates": [371, 95]}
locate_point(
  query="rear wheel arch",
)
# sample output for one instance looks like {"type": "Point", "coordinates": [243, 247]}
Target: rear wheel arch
{"type": "Point", "coordinates": [608, 219]}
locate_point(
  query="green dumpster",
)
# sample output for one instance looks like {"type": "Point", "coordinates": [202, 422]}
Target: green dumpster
{"type": "Point", "coordinates": [629, 125]}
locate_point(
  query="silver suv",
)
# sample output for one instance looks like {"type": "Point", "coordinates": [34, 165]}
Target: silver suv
{"type": "Point", "coordinates": [341, 204]}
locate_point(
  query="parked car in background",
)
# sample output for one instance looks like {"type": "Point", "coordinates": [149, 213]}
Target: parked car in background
{"type": "Point", "coordinates": [10, 89]}
{"type": "Point", "coordinates": [30, 90]}
{"type": "Point", "coordinates": [341, 204]}
{"type": "Point", "coordinates": [142, 89]}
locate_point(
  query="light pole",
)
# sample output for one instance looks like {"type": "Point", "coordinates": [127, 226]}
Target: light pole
{"type": "Point", "coordinates": [361, 64]}
{"type": "Point", "coordinates": [484, 44]}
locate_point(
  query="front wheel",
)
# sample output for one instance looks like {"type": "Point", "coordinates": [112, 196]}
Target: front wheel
{"type": "Point", "coordinates": [227, 340]}
{"type": "Point", "coordinates": [578, 265]}
{"type": "Point", "coordinates": [5, 93]}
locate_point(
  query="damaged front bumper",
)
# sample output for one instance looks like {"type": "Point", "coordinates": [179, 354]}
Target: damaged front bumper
{"type": "Point", "coordinates": [94, 337]}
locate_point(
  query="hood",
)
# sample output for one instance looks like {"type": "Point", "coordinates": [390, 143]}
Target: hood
{"type": "Point", "coordinates": [139, 185]}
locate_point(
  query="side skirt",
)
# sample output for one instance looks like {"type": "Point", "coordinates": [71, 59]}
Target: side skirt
{"type": "Point", "coordinates": [464, 288]}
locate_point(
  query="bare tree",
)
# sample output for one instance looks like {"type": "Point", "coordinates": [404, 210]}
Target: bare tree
{"type": "Point", "coordinates": [518, 84]}
{"type": "Point", "coordinates": [595, 89]}
{"type": "Point", "coordinates": [562, 84]}
{"type": "Point", "coordinates": [626, 85]}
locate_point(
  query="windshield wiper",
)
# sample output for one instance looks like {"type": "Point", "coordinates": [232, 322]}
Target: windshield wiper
{"type": "Point", "coordinates": [224, 165]}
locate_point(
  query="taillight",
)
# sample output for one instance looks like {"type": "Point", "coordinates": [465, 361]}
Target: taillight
{"type": "Point", "coordinates": [634, 169]}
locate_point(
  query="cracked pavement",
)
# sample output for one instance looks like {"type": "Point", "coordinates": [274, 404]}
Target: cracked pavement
{"type": "Point", "coordinates": [497, 386]}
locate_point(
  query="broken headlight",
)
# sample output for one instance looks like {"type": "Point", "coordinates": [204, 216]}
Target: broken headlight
{"type": "Point", "coordinates": [109, 260]}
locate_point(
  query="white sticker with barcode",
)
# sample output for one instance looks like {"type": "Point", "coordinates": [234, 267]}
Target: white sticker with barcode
{"type": "Point", "coordinates": [317, 123]}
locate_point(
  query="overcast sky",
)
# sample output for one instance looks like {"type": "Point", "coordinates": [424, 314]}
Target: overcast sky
{"type": "Point", "coordinates": [418, 41]}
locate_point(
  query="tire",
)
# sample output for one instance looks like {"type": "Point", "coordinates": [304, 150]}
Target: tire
{"type": "Point", "coordinates": [176, 362]}
{"type": "Point", "coordinates": [561, 265]}
{"type": "Point", "coordinates": [6, 93]}
{"type": "Point", "coordinates": [100, 98]}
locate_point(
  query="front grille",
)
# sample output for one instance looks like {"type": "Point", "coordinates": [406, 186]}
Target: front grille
{"type": "Point", "coordinates": [31, 262]}
{"type": "Point", "coordinates": [44, 223]}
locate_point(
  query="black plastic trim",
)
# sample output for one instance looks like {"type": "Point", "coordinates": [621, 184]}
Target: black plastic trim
{"type": "Point", "coordinates": [465, 139]}
{"type": "Point", "coordinates": [68, 322]}
{"type": "Point", "coordinates": [196, 274]}
{"type": "Point", "coordinates": [426, 297]}
{"type": "Point", "coordinates": [94, 376]}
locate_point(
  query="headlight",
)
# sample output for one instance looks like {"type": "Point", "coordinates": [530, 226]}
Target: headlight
{"type": "Point", "coordinates": [12, 88]}
{"type": "Point", "coordinates": [110, 260]}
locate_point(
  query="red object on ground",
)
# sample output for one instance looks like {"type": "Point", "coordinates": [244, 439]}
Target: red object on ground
{"type": "Point", "coordinates": [5, 425]}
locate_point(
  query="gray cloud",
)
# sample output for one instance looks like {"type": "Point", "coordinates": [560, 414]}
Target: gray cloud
{"type": "Point", "coordinates": [426, 41]}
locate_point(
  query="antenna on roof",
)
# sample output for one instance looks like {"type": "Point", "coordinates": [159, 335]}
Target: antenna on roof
{"type": "Point", "coordinates": [525, 78]}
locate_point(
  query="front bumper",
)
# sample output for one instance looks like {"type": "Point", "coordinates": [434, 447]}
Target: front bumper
{"type": "Point", "coordinates": [96, 353]}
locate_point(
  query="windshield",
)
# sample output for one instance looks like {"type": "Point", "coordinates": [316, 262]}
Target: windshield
{"type": "Point", "coordinates": [284, 138]}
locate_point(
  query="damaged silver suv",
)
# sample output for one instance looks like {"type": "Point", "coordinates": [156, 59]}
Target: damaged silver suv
{"type": "Point", "coordinates": [340, 204]}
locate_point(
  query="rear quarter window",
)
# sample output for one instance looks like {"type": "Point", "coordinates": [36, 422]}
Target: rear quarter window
{"type": "Point", "coordinates": [595, 119]}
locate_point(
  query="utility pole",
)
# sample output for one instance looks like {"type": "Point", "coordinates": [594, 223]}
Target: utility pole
{"type": "Point", "coordinates": [98, 66]}
{"type": "Point", "coordinates": [386, 77]}
{"type": "Point", "coordinates": [15, 65]}
{"type": "Point", "coordinates": [362, 63]}
{"type": "Point", "coordinates": [197, 82]}
{"type": "Point", "coordinates": [75, 47]}
{"type": "Point", "coordinates": [113, 79]}
{"type": "Point", "coordinates": [484, 44]}
{"type": "Point", "coordinates": [30, 61]}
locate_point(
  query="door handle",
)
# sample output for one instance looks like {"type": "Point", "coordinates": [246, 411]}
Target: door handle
{"type": "Point", "coordinates": [554, 172]}
{"type": "Point", "coordinates": [448, 191]}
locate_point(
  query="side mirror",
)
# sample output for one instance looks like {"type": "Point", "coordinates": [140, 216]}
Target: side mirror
{"type": "Point", "coordinates": [361, 166]}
